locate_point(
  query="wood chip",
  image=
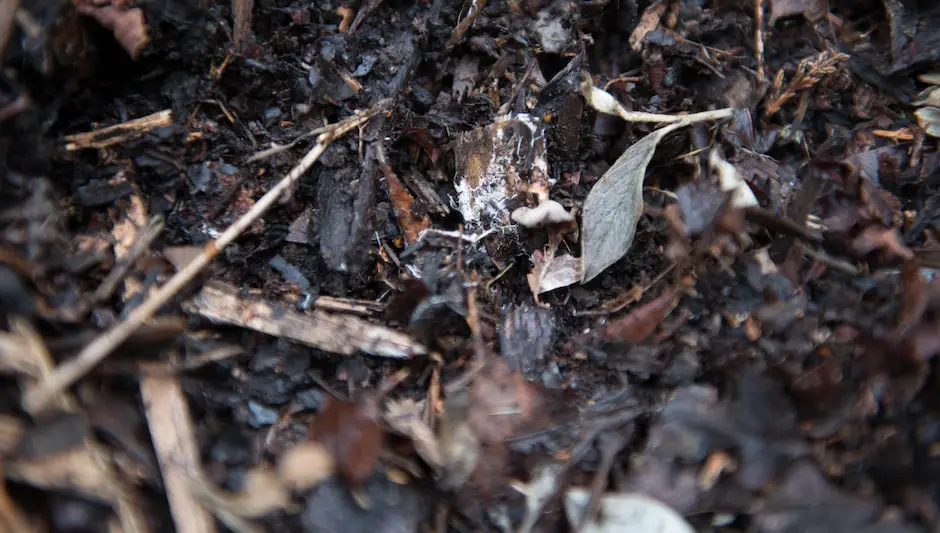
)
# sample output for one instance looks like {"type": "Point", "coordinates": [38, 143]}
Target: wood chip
{"type": "Point", "coordinates": [344, 335]}
{"type": "Point", "coordinates": [119, 132]}
{"type": "Point", "coordinates": [174, 442]}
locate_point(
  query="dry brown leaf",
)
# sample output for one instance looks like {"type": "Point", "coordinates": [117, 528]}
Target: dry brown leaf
{"type": "Point", "coordinates": [128, 25]}
{"type": "Point", "coordinates": [559, 271]}
{"type": "Point", "coordinates": [180, 256]}
{"type": "Point", "coordinates": [642, 321]}
{"type": "Point", "coordinates": [411, 220]}
{"type": "Point", "coordinates": [351, 434]}
{"type": "Point", "coordinates": [459, 446]}
{"type": "Point", "coordinates": [305, 465]}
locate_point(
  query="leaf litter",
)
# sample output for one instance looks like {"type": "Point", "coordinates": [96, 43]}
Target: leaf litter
{"type": "Point", "coordinates": [747, 341]}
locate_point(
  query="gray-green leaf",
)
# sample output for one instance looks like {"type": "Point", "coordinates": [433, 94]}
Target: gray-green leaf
{"type": "Point", "coordinates": [614, 205]}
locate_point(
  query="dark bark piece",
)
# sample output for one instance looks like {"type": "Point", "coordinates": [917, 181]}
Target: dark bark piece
{"type": "Point", "coordinates": [343, 202]}
{"type": "Point", "coordinates": [525, 338]}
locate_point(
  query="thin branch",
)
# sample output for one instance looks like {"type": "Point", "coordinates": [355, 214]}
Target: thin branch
{"type": "Point", "coordinates": [759, 37]}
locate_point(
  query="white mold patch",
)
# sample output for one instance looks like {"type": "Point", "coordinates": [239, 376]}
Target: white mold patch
{"type": "Point", "coordinates": [497, 164]}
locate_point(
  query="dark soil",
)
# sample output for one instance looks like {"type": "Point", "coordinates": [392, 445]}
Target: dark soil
{"type": "Point", "coordinates": [767, 369]}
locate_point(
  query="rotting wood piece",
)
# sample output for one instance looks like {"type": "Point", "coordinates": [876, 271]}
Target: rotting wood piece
{"type": "Point", "coordinates": [344, 335]}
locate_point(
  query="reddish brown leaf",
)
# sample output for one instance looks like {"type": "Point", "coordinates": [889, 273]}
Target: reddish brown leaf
{"type": "Point", "coordinates": [642, 321]}
{"type": "Point", "coordinates": [411, 220]}
{"type": "Point", "coordinates": [352, 436]}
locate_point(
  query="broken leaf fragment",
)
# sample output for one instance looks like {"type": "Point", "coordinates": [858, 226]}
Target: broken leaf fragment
{"type": "Point", "coordinates": [553, 273]}
{"type": "Point", "coordinates": [625, 512]}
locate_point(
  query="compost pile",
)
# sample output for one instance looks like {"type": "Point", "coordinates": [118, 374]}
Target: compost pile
{"type": "Point", "coordinates": [517, 266]}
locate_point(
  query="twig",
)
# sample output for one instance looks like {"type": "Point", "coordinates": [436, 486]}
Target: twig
{"type": "Point", "coordinates": [241, 31]}
{"type": "Point", "coordinates": [631, 298]}
{"type": "Point", "coordinates": [136, 250]}
{"type": "Point", "coordinates": [339, 334]}
{"type": "Point", "coordinates": [118, 133]}
{"type": "Point", "coordinates": [171, 429]}
{"type": "Point", "coordinates": [364, 11]}
{"type": "Point", "coordinates": [263, 154]}
{"type": "Point", "coordinates": [37, 398]}
{"type": "Point", "coordinates": [604, 102]}
{"type": "Point", "coordinates": [610, 445]}
{"type": "Point", "coordinates": [479, 348]}
{"type": "Point", "coordinates": [808, 73]}
{"type": "Point", "coordinates": [759, 37]}
{"type": "Point", "coordinates": [832, 262]}
{"type": "Point", "coordinates": [773, 221]}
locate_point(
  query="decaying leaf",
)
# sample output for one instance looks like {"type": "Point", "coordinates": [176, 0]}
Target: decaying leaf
{"type": "Point", "coordinates": [928, 97]}
{"type": "Point", "coordinates": [642, 321]}
{"type": "Point", "coordinates": [699, 203]}
{"type": "Point", "coordinates": [615, 203]}
{"type": "Point", "coordinates": [503, 404]}
{"type": "Point", "coordinates": [805, 502]}
{"type": "Point", "coordinates": [876, 237]}
{"type": "Point", "coordinates": [811, 9]}
{"type": "Point", "coordinates": [351, 434]}
{"type": "Point", "coordinates": [614, 206]}
{"type": "Point", "coordinates": [553, 273]}
{"type": "Point", "coordinates": [623, 513]}
{"type": "Point", "coordinates": [460, 448]}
